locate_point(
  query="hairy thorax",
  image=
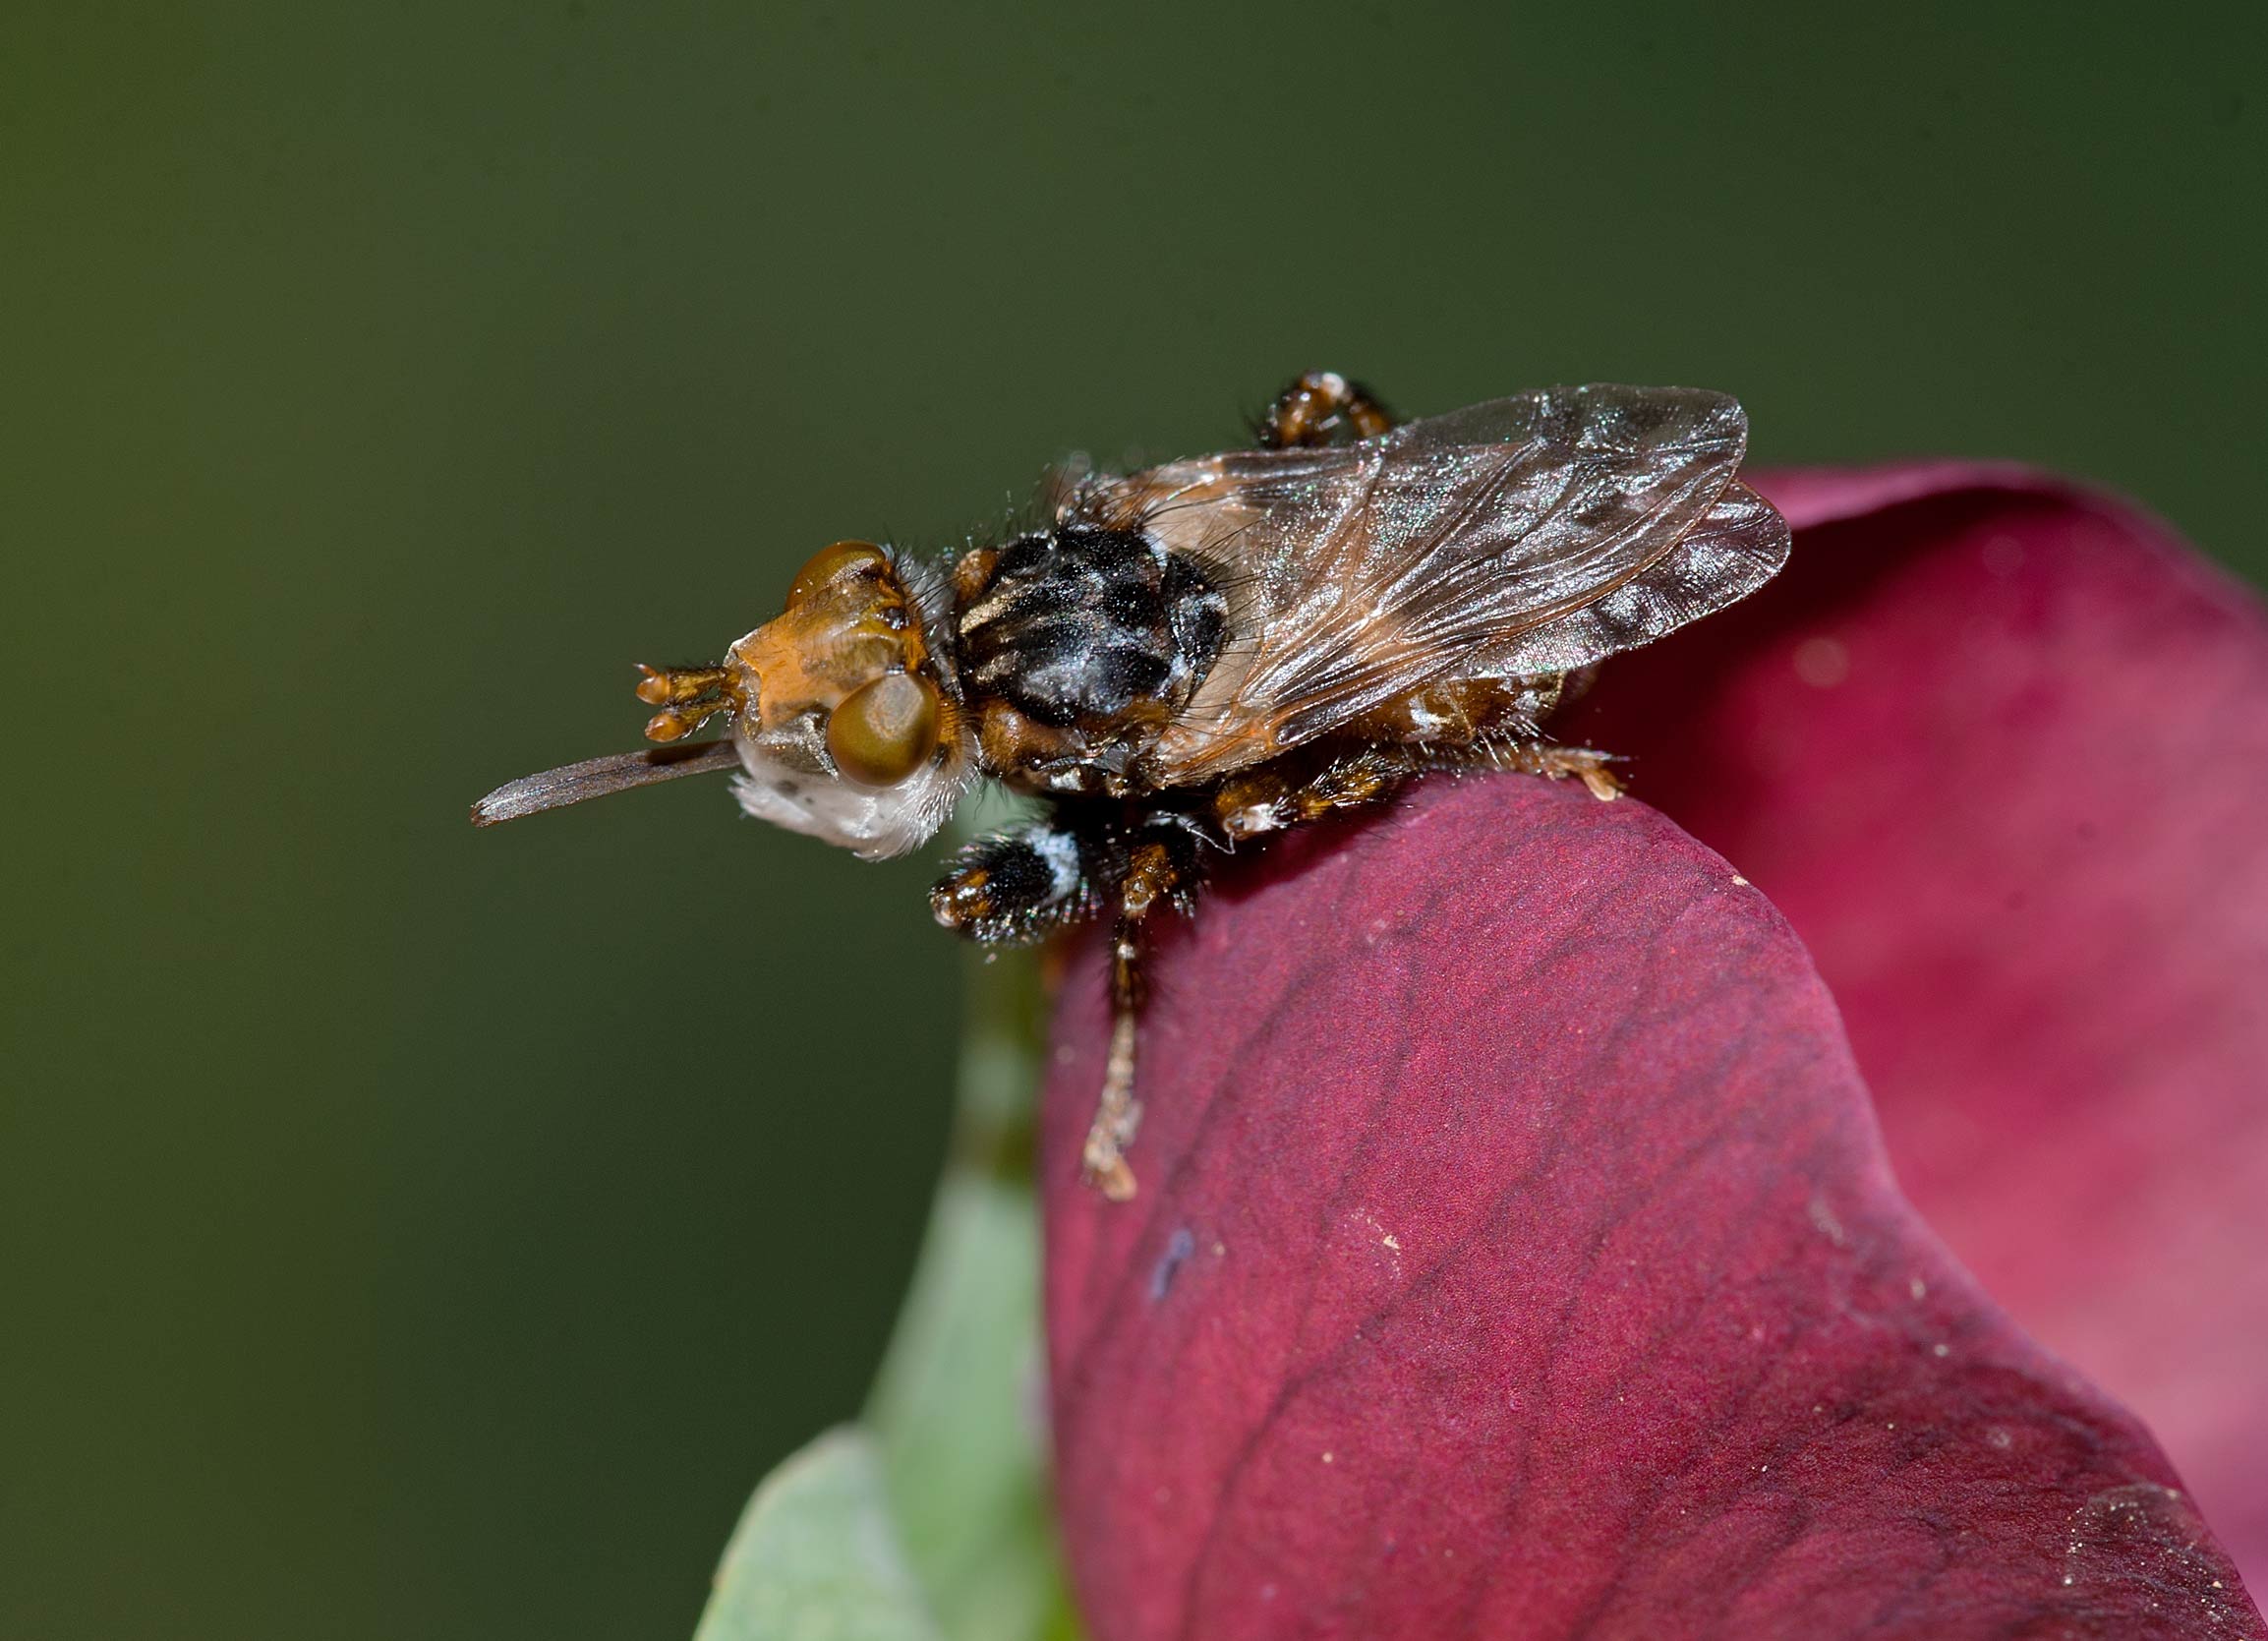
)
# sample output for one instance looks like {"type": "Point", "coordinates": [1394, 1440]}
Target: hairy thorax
{"type": "Point", "coordinates": [1077, 645]}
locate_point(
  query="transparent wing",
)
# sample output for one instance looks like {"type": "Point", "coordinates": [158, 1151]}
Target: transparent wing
{"type": "Point", "coordinates": [1532, 534]}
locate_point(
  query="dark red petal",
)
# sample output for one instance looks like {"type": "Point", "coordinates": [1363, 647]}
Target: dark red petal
{"type": "Point", "coordinates": [1516, 1257]}
{"type": "Point", "coordinates": [1998, 748]}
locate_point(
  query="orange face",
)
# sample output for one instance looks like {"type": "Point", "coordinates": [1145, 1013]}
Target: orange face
{"type": "Point", "coordinates": [843, 726]}
{"type": "Point", "coordinates": [849, 652]}
{"type": "Point", "coordinates": [842, 729]}
{"type": "Point", "coordinates": [848, 646]}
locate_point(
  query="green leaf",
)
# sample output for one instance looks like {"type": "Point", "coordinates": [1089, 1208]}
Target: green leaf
{"type": "Point", "coordinates": [955, 1415]}
{"type": "Point", "coordinates": [931, 1517]}
{"type": "Point", "coordinates": [958, 1408]}
{"type": "Point", "coordinates": [817, 1557]}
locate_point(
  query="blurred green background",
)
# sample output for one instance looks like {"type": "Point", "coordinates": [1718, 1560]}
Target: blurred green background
{"type": "Point", "coordinates": [415, 1231]}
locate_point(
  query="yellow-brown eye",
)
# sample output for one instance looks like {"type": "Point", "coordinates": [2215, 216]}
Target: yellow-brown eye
{"type": "Point", "coordinates": [885, 730]}
{"type": "Point", "coordinates": [828, 563]}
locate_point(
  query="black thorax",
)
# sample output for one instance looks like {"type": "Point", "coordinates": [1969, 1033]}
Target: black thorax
{"type": "Point", "coordinates": [1078, 624]}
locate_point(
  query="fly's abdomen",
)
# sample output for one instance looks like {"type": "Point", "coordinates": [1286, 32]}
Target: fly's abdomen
{"type": "Point", "coordinates": [1080, 625]}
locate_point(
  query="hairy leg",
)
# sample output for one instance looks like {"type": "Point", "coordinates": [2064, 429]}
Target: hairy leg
{"type": "Point", "coordinates": [1306, 412]}
{"type": "Point", "coordinates": [1493, 722]}
{"type": "Point", "coordinates": [1162, 868]}
{"type": "Point", "coordinates": [1292, 791]}
{"type": "Point", "coordinates": [1554, 762]}
{"type": "Point", "coordinates": [1020, 885]}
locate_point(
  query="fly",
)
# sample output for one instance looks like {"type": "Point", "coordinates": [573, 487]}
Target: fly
{"type": "Point", "coordinates": [1185, 660]}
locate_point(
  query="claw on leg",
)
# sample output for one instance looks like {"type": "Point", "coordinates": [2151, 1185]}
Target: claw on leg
{"type": "Point", "coordinates": [1557, 763]}
{"type": "Point", "coordinates": [1605, 785]}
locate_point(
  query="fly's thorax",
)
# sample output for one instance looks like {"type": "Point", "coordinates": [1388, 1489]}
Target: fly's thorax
{"type": "Point", "coordinates": [1077, 644]}
{"type": "Point", "coordinates": [850, 727]}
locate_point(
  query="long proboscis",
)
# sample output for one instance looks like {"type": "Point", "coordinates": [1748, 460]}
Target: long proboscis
{"type": "Point", "coordinates": [556, 788]}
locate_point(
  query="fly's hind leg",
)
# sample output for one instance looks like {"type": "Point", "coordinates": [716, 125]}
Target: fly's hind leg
{"type": "Point", "coordinates": [1461, 723]}
{"type": "Point", "coordinates": [1314, 406]}
{"type": "Point", "coordinates": [1161, 868]}
{"type": "Point", "coordinates": [1293, 791]}
{"type": "Point", "coordinates": [1557, 763]}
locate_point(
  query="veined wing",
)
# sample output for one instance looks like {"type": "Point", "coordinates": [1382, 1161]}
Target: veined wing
{"type": "Point", "coordinates": [1532, 534]}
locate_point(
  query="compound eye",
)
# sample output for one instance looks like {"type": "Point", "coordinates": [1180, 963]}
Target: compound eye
{"type": "Point", "coordinates": [885, 730]}
{"type": "Point", "coordinates": [830, 563]}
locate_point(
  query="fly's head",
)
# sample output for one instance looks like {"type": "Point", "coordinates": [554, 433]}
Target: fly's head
{"type": "Point", "coordinates": [845, 720]}
{"type": "Point", "coordinates": [840, 709]}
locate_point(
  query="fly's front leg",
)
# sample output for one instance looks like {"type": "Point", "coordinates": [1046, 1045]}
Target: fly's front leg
{"type": "Point", "coordinates": [1161, 868]}
{"type": "Point", "coordinates": [1306, 412]}
{"type": "Point", "coordinates": [1020, 885]}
